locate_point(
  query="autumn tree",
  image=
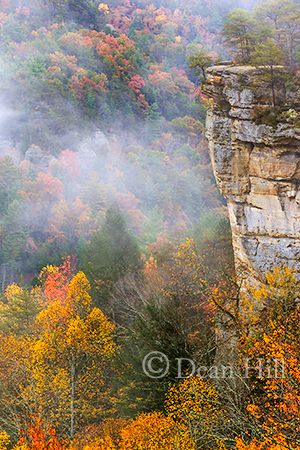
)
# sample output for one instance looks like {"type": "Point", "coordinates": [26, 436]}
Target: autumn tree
{"type": "Point", "coordinates": [36, 437]}
{"type": "Point", "coordinates": [73, 346]}
{"type": "Point", "coordinates": [4, 440]}
{"type": "Point", "coordinates": [153, 432]}
{"type": "Point", "coordinates": [196, 408]}
{"type": "Point", "coordinates": [54, 281]}
{"type": "Point", "coordinates": [55, 371]}
{"type": "Point", "coordinates": [275, 341]}
{"type": "Point", "coordinates": [17, 398]}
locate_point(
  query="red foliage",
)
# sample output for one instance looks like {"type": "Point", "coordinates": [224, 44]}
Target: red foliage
{"type": "Point", "coordinates": [178, 73]}
{"type": "Point", "coordinates": [25, 11]}
{"type": "Point", "coordinates": [111, 41]}
{"type": "Point", "coordinates": [87, 41]}
{"type": "Point", "coordinates": [136, 83]}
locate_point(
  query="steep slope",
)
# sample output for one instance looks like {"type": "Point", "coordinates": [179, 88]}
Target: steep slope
{"type": "Point", "coordinates": [255, 152]}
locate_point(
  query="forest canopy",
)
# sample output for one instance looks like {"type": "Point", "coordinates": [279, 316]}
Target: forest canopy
{"type": "Point", "coordinates": [115, 241]}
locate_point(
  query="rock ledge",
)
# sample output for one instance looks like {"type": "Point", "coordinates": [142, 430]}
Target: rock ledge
{"type": "Point", "coordinates": [257, 168]}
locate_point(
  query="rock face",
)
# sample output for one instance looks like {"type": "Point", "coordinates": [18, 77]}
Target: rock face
{"type": "Point", "coordinates": [38, 156]}
{"type": "Point", "coordinates": [257, 168]}
{"type": "Point", "coordinates": [88, 150]}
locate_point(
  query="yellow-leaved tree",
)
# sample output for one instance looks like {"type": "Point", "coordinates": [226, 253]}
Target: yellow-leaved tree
{"type": "Point", "coordinates": [69, 357]}
{"type": "Point", "coordinates": [154, 431]}
{"type": "Point", "coordinates": [4, 440]}
{"type": "Point", "coordinates": [195, 407]}
{"type": "Point", "coordinates": [17, 398]}
{"type": "Point", "coordinates": [149, 431]}
{"type": "Point", "coordinates": [274, 347]}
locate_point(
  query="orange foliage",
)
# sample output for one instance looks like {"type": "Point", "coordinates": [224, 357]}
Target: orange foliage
{"type": "Point", "coordinates": [76, 214]}
{"type": "Point", "coordinates": [44, 189]}
{"type": "Point", "coordinates": [276, 341]}
{"type": "Point", "coordinates": [36, 438]}
{"type": "Point", "coordinates": [149, 432]}
{"type": "Point", "coordinates": [142, 102]}
{"type": "Point", "coordinates": [112, 42]}
{"type": "Point", "coordinates": [281, 444]}
{"type": "Point", "coordinates": [152, 431]}
{"type": "Point", "coordinates": [194, 406]}
{"type": "Point", "coordinates": [56, 280]}
{"type": "Point", "coordinates": [49, 185]}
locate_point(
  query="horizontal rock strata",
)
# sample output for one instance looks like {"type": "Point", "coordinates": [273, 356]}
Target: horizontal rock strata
{"type": "Point", "coordinates": [257, 167]}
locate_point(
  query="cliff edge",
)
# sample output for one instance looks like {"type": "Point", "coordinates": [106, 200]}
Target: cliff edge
{"type": "Point", "coordinates": [255, 153]}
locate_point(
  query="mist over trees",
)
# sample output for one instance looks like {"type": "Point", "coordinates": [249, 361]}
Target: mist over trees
{"type": "Point", "coordinates": [114, 240]}
{"type": "Point", "coordinates": [67, 81]}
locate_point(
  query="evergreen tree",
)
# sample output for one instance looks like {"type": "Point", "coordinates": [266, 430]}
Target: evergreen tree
{"type": "Point", "coordinates": [175, 327]}
{"type": "Point", "coordinates": [13, 237]}
{"type": "Point", "coordinates": [289, 34]}
{"type": "Point", "coordinates": [83, 12]}
{"type": "Point", "coordinates": [111, 254]}
{"type": "Point", "coordinates": [200, 62]}
{"type": "Point", "coordinates": [9, 182]}
{"type": "Point", "coordinates": [267, 56]}
{"type": "Point", "coordinates": [276, 21]}
{"type": "Point", "coordinates": [284, 16]}
{"type": "Point", "coordinates": [152, 226]}
{"type": "Point", "coordinates": [20, 311]}
{"type": "Point", "coordinates": [239, 34]}
{"type": "Point", "coordinates": [153, 123]}
{"type": "Point", "coordinates": [242, 32]}
{"type": "Point", "coordinates": [93, 193]}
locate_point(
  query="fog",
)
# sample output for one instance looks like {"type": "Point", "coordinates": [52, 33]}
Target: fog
{"type": "Point", "coordinates": [91, 117]}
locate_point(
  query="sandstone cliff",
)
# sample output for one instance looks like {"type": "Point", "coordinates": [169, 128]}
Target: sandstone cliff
{"type": "Point", "coordinates": [257, 166]}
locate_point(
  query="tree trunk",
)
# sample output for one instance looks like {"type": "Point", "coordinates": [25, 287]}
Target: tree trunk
{"type": "Point", "coordinates": [72, 396]}
{"type": "Point", "coordinates": [291, 50]}
{"type": "Point", "coordinates": [272, 86]}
